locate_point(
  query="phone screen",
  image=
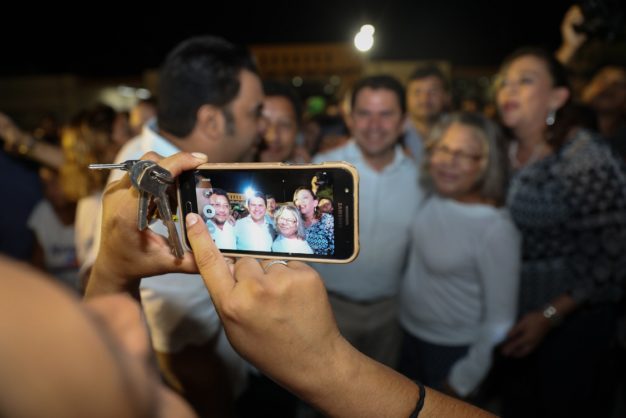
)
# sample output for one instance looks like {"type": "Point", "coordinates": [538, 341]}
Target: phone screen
{"type": "Point", "coordinates": [300, 212]}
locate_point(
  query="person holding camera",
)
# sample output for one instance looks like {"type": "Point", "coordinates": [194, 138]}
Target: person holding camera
{"type": "Point", "coordinates": [220, 227]}
{"type": "Point", "coordinates": [277, 315]}
{"type": "Point", "coordinates": [319, 228]}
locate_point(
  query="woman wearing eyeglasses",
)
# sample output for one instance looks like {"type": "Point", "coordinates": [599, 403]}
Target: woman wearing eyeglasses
{"type": "Point", "coordinates": [458, 296]}
{"type": "Point", "coordinates": [291, 236]}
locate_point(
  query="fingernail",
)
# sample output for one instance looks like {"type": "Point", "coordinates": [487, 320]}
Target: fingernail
{"type": "Point", "coordinates": [191, 219]}
{"type": "Point", "coordinates": [200, 156]}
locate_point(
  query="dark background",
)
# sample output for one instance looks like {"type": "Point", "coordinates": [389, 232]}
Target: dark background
{"type": "Point", "coordinates": [109, 38]}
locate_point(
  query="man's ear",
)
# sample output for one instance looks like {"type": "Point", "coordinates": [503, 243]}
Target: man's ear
{"type": "Point", "coordinates": [211, 122]}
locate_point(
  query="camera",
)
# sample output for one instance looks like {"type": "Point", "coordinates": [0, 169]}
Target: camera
{"type": "Point", "coordinates": [604, 19]}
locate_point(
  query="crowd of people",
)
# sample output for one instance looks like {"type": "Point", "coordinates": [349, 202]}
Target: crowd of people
{"type": "Point", "coordinates": [265, 225]}
{"type": "Point", "coordinates": [489, 278]}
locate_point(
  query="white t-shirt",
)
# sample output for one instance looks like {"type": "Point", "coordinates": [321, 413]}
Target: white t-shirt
{"type": "Point", "coordinates": [461, 286]}
{"type": "Point", "coordinates": [253, 236]}
{"type": "Point", "coordinates": [57, 242]}
{"type": "Point", "coordinates": [224, 238]}
{"type": "Point", "coordinates": [85, 225]}
{"type": "Point", "coordinates": [291, 245]}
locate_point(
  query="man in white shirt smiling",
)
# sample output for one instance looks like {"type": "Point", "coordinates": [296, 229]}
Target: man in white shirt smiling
{"type": "Point", "coordinates": [222, 231]}
{"type": "Point", "coordinates": [253, 232]}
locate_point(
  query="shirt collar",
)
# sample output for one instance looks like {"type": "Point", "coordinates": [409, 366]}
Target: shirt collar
{"type": "Point", "coordinates": [399, 158]}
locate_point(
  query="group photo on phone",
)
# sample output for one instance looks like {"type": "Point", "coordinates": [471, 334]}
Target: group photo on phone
{"type": "Point", "coordinates": [290, 219]}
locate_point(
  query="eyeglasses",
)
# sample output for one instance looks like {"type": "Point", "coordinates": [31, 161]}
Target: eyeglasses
{"type": "Point", "coordinates": [288, 221]}
{"type": "Point", "coordinates": [459, 156]}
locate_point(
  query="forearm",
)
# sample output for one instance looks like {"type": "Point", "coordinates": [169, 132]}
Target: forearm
{"type": "Point", "coordinates": [356, 386]}
{"type": "Point", "coordinates": [199, 375]}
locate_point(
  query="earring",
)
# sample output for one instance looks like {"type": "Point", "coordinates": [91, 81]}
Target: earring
{"type": "Point", "coordinates": [551, 118]}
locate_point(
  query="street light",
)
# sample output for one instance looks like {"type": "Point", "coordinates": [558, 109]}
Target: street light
{"type": "Point", "coordinates": [364, 40]}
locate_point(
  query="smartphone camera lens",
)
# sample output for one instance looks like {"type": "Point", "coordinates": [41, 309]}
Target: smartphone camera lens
{"type": "Point", "coordinates": [209, 211]}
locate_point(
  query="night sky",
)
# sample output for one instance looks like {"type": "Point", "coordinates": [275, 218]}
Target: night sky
{"type": "Point", "coordinates": [118, 39]}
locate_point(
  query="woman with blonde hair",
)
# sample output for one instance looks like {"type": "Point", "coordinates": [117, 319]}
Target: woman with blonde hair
{"type": "Point", "coordinates": [291, 235]}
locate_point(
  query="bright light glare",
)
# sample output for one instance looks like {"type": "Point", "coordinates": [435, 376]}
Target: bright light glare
{"type": "Point", "coordinates": [368, 29]}
{"type": "Point", "coordinates": [249, 192]}
{"type": "Point", "coordinates": [364, 40]}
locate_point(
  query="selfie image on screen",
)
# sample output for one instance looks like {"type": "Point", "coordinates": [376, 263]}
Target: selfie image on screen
{"type": "Point", "coordinates": [268, 212]}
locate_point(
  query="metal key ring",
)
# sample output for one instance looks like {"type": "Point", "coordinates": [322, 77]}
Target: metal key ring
{"type": "Point", "coordinates": [271, 263]}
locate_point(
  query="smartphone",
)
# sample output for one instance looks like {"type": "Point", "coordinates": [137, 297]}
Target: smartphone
{"type": "Point", "coordinates": [303, 212]}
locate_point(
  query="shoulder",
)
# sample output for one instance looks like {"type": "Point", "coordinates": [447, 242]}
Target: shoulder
{"type": "Point", "coordinates": [241, 221]}
{"type": "Point", "coordinates": [407, 163]}
{"type": "Point", "coordinates": [41, 209]}
{"type": "Point", "coordinates": [499, 225]}
{"type": "Point", "coordinates": [130, 150]}
{"type": "Point", "coordinates": [341, 153]}
{"type": "Point", "coordinates": [327, 219]}
{"type": "Point", "coordinates": [586, 149]}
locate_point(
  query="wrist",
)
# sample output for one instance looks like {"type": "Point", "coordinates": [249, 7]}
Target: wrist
{"type": "Point", "coordinates": [552, 314]}
{"type": "Point", "coordinates": [104, 280]}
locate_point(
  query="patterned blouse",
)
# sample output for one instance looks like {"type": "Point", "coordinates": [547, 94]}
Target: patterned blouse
{"type": "Point", "coordinates": [321, 235]}
{"type": "Point", "coordinates": [571, 210]}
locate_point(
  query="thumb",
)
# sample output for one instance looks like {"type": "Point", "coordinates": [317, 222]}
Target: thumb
{"type": "Point", "coordinates": [211, 264]}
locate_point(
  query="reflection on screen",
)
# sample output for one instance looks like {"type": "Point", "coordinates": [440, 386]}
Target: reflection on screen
{"type": "Point", "coordinates": [268, 211]}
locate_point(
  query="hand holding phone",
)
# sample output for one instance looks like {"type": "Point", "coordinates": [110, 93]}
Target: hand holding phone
{"type": "Point", "coordinates": [303, 212]}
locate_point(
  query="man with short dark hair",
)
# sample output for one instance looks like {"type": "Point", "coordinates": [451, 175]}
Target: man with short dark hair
{"type": "Point", "coordinates": [210, 101]}
{"type": "Point", "coordinates": [428, 97]}
{"type": "Point", "coordinates": [253, 232]}
{"type": "Point", "coordinates": [282, 111]}
{"type": "Point", "coordinates": [222, 231]}
{"type": "Point", "coordinates": [363, 292]}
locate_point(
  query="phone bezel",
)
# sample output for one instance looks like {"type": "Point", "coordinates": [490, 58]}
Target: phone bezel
{"type": "Point", "coordinates": [345, 175]}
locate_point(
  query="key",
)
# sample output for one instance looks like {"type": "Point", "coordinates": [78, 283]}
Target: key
{"type": "Point", "coordinates": [126, 166]}
{"type": "Point", "coordinates": [153, 182]}
{"type": "Point", "coordinates": [144, 214]}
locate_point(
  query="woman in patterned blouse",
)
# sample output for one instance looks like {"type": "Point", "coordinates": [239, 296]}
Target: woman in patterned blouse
{"type": "Point", "coordinates": [319, 227]}
{"type": "Point", "coordinates": [568, 199]}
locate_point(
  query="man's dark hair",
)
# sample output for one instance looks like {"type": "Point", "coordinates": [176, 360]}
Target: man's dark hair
{"type": "Point", "coordinates": [277, 89]}
{"type": "Point", "coordinates": [377, 82]}
{"type": "Point", "coordinates": [430, 70]}
{"type": "Point", "coordinates": [200, 70]}
{"type": "Point", "coordinates": [260, 195]}
{"type": "Point", "coordinates": [220, 192]}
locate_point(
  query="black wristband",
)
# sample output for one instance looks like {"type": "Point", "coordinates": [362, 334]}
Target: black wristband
{"type": "Point", "coordinates": [420, 401]}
